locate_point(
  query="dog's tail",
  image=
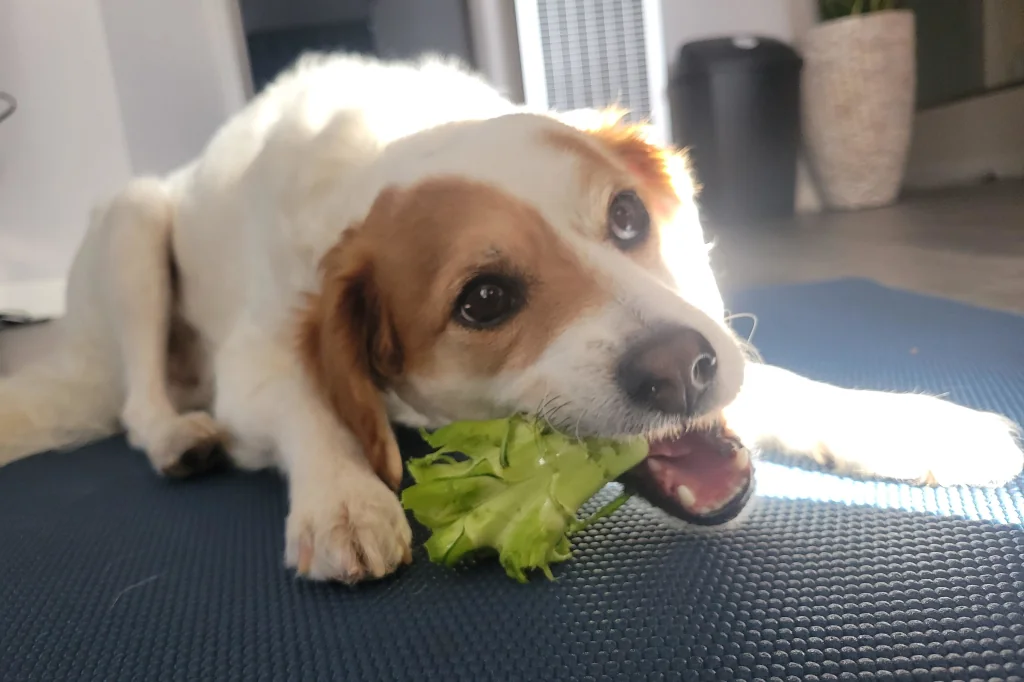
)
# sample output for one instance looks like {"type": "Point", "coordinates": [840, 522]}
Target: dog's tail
{"type": "Point", "coordinates": [62, 402]}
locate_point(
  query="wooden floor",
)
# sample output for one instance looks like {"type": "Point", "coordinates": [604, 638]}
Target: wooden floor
{"type": "Point", "coordinates": [966, 244]}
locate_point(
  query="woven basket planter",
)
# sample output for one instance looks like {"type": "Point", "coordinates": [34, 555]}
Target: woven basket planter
{"type": "Point", "coordinates": [859, 83]}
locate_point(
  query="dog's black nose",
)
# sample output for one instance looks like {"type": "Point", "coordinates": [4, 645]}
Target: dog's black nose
{"type": "Point", "coordinates": [669, 371]}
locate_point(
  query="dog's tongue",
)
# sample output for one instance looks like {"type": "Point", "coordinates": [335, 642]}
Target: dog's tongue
{"type": "Point", "coordinates": [703, 477]}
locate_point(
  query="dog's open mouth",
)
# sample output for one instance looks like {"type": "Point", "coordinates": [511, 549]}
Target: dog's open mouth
{"type": "Point", "coordinates": [702, 477]}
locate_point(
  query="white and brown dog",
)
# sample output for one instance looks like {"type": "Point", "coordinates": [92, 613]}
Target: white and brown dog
{"type": "Point", "coordinates": [369, 243]}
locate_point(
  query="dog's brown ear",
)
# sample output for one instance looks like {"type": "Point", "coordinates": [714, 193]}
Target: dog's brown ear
{"type": "Point", "coordinates": [350, 350]}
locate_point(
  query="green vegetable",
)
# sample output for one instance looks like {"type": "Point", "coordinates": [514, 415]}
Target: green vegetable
{"type": "Point", "coordinates": [516, 490]}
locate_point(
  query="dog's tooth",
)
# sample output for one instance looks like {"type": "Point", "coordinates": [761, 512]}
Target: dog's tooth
{"type": "Point", "coordinates": [742, 458]}
{"type": "Point", "coordinates": [686, 496]}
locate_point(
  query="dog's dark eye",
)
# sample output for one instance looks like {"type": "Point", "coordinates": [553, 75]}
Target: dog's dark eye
{"type": "Point", "coordinates": [628, 220]}
{"type": "Point", "coordinates": [487, 301]}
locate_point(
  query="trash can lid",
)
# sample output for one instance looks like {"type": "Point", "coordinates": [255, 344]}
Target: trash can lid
{"type": "Point", "coordinates": [741, 51]}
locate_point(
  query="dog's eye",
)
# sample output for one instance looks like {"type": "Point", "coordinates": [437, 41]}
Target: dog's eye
{"type": "Point", "coordinates": [487, 301]}
{"type": "Point", "coordinates": [628, 220]}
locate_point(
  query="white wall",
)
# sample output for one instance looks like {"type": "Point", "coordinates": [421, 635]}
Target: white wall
{"type": "Point", "coordinates": [65, 145]}
{"type": "Point", "coordinates": [106, 88]}
{"type": "Point", "coordinates": [180, 72]}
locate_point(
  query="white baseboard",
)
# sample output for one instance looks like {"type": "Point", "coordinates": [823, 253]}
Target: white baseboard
{"type": "Point", "coordinates": [36, 299]}
{"type": "Point", "coordinates": [967, 141]}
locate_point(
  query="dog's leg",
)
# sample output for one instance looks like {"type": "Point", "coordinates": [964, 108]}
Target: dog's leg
{"type": "Point", "coordinates": [907, 437]}
{"type": "Point", "coordinates": [138, 226]}
{"type": "Point", "coordinates": [344, 523]}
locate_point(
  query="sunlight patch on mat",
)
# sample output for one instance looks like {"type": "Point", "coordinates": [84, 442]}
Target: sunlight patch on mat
{"type": "Point", "coordinates": [980, 504]}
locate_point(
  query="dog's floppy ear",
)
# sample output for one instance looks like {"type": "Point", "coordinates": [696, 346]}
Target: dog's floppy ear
{"type": "Point", "coordinates": [350, 349]}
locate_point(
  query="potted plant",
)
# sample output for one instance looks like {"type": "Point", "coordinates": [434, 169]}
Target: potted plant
{"type": "Point", "coordinates": [859, 83]}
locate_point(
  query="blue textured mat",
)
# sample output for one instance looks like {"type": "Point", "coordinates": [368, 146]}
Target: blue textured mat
{"type": "Point", "coordinates": [108, 573]}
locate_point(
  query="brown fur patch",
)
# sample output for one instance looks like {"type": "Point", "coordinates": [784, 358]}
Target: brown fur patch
{"type": "Point", "coordinates": [347, 344]}
{"type": "Point", "coordinates": [384, 311]}
{"type": "Point", "coordinates": [663, 173]}
{"type": "Point", "coordinates": [612, 150]}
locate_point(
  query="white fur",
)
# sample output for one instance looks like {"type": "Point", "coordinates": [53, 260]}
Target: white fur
{"type": "Point", "coordinates": [908, 437]}
{"type": "Point", "coordinates": [247, 224]}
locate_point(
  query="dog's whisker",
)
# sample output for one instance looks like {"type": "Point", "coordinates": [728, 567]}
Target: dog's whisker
{"type": "Point", "coordinates": [744, 316]}
{"type": "Point", "coordinates": [583, 414]}
{"type": "Point", "coordinates": [552, 415]}
{"type": "Point", "coordinates": [549, 410]}
{"type": "Point", "coordinates": [543, 403]}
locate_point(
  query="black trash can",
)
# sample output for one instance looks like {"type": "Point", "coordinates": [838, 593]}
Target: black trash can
{"type": "Point", "coordinates": [736, 106]}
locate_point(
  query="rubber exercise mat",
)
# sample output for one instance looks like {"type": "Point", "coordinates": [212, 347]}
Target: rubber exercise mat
{"type": "Point", "coordinates": [107, 573]}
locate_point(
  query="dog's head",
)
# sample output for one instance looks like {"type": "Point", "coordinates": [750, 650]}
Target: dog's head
{"type": "Point", "coordinates": [526, 264]}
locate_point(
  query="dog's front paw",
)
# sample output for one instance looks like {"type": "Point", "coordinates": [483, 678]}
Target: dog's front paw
{"type": "Point", "coordinates": [357, 532]}
{"type": "Point", "coordinates": [982, 449]}
{"type": "Point", "coordinates": [924, 440]}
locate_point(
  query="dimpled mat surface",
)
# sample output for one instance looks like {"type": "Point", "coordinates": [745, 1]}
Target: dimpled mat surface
{"type": "Point", "coordinates": [107, 573]}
